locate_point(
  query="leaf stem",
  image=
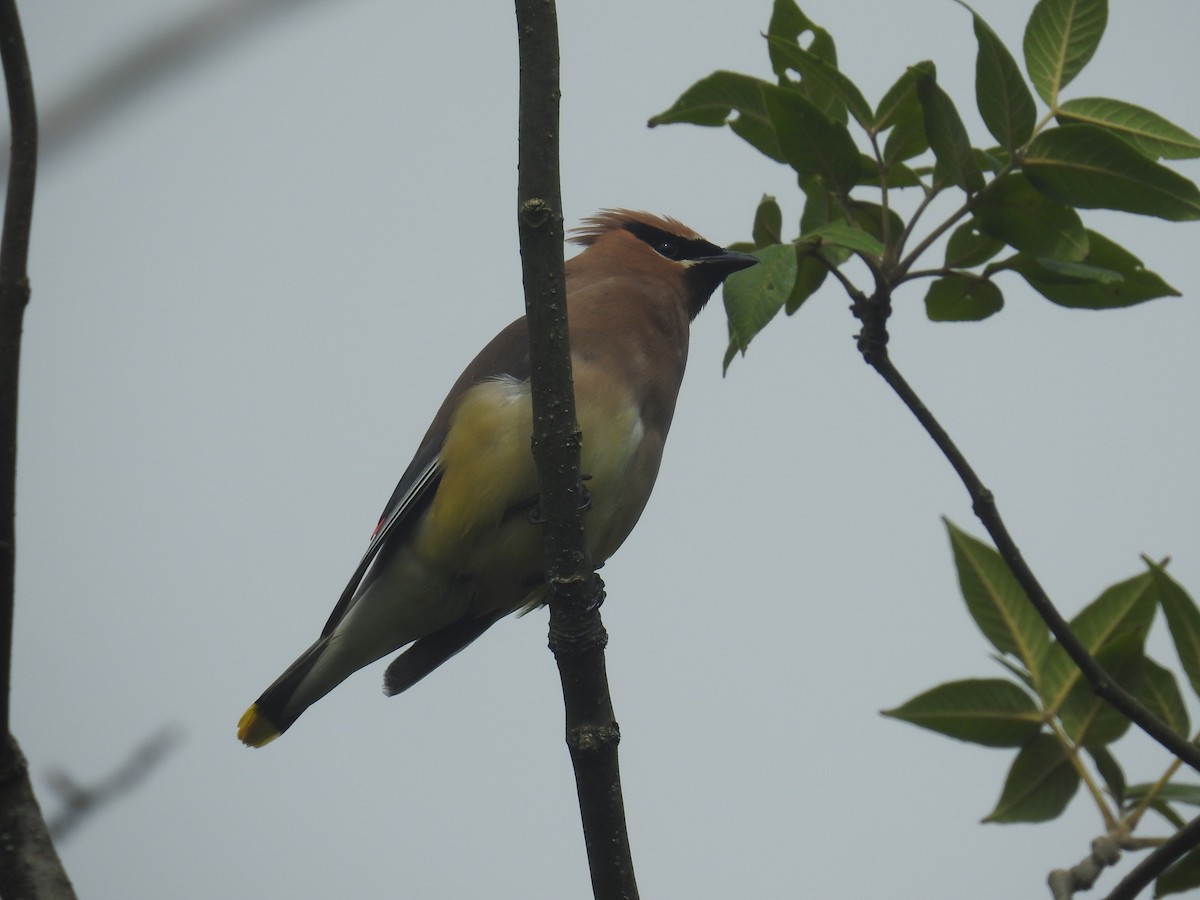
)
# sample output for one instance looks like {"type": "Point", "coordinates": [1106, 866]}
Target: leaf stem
{"type": "Point", "coordinates": [1071, 749]}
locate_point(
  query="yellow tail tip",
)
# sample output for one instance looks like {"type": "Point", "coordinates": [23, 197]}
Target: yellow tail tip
{"type": "Point", "coordinates": [254, 730]}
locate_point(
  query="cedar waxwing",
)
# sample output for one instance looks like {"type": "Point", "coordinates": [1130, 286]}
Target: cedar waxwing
{"type": "Point", "coordinates": [457, 547]}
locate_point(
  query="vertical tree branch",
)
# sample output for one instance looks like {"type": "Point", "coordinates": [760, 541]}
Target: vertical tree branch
{"type": "Point", "coordinates": [872, 343]}
{"type": "Point", "coordinates": [29, 865]}
{"type": "Point", "coordinates": [14, 296]}
{"type": "Point", "coordinates": [577, 636]}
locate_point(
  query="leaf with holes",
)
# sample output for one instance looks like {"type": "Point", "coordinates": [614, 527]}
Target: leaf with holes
{"type": "Point", "coordinates": [1110, 277]}
{"type": "Point", "coordinates": [811, 143]}
{"type": "Point", "coordinates": [1015, 212]}
{"type": "Point", "coordinates": [969, 246]}
{"type": "Point", "coordinates": [824, 83]}
{"type": "Point", "coordinates": [713, 99]}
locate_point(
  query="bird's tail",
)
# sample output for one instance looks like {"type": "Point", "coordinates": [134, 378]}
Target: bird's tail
{"type": "Point", "coordinates": [274, 712]}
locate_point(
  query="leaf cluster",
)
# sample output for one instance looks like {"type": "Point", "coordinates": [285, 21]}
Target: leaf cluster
{"type": "Point", "coordinates": [1044, 708]}
{"type": "Point", "coordinates": [1020, 197]}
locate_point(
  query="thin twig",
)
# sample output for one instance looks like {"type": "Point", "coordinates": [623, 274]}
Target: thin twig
{"type": "Point", "coordinates": [14, 297]}
{"type": "Point", "coordinates": [873, 345]}
{"type": "Point", "coordinates": [79, 801]}
{"type": "Point", "coordinates": [577, 635]}
{"type": "Point", "coordinates": [29, 864]}
{"type": "Point", "coordinates": [103, 93]}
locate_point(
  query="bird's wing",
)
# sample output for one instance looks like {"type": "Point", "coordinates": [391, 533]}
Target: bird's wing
{"type": "Point", "coordinates": [506, 354]}
{"type": "Point", "coordinates": [412, 495]}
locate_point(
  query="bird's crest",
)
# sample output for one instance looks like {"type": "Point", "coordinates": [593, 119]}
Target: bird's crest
{"type": "Point", "coordinates": [615, 219]}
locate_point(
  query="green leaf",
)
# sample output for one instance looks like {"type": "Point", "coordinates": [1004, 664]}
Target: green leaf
{"type": "Point", "coordinates": [947, 134]}
{"type": "Point", "coordinates": [755, 295]}
{"type": "Point", "coordinates": [768, 223]}
{"type": "Point", "coordinates": [1017, 670]}
{"type": "Point", "coordinates": [1183, 621]}
{"type": "Point", "coordinates": [1110, 770]}
{"type": "Point", "coordinates": [1039, 785]}
{"type": "Point", "coordinates": [968, 246]}
{"type": "Point", "coordinates": [810, 275]}
{"type": "Point", "coordinates": [1062, 35]}
{"type": "Point", "coordinates": [1000, 93]}
{"type": "Point", "coordinates": [820, 79]}
{"type": "Point", "coordinates": [1069, 271]}
{"type": "Point", "coordinates": [1149, 132]}
{"type": "Point", "coordinates": [1013, 211]}
{"type": "Point", "coordinates": [711, 101]}
{"type": "Point", "coordinates": [787, 25]}
{"type": "Point", "coordinates": [821, 207]}
{"type": "Point", "coordinates": [1165, 810]}
{"type": "Point", "coordinates": [1090, 721]}
{"type": "Point", "coordinates": [962, 299]}
{"type": "Point", "coordinates": [996, 602]}
{"type": "Point", "coordinates": [898, 175]}
{"type": "Point", "coordinates": [1089, 167]}
{"type": "Point", "coordinates": [1174, 792]}
{"type": "Point", "coordinates": [871, 217]}
{"type": "Point", "coordinates": [843, 234]}
{"type": "Point", "coordinates": [1098, 289]}
{"type": "Point", "coordinates": [991, 711]}
{"type": "Point", "coordinates": [1124, 610]}
{"type": "Point", "coordinates": [1181, 877]}
{"type": "Point", "coordinates": [900, 111]}
{"type": "Point", "coordinates": [901, 101]}
{"type": "Point", "coordinates": [1159, 692]}
{"type": "Point", "coordinates": [811, 143]}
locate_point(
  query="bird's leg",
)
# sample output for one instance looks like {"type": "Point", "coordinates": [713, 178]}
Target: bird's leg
{"type": "Point", "coordinates": [587, 495]}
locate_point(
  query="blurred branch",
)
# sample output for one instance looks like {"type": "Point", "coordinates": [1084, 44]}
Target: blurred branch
{"type": "Point", "coordinates": [29, 865]}
{"type": "Point", "coordinates": [166, 54]}
{"type": "Point", "coordinates": [872, 343]}
{"type": "Point", "coordinates": [1185, 839]}
{"type": "Point", "coordinates": [79, 801]}
{"type": "Point", "coordinates": [577, 636]}
{"type": "Point", "coordinates": [1064, 883]}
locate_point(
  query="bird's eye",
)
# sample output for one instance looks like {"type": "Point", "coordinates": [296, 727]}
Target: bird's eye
{"type": "Point", "coordinates": [667, 248]}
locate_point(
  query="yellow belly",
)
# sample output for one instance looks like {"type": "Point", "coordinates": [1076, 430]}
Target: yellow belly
{"type": "Point", "coordinates": [487, 470]}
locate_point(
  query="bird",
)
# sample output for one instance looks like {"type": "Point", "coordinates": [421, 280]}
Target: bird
{"type": "Point", "coordinates": [458, 545]}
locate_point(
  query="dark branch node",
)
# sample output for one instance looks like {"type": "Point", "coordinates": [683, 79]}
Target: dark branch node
{"type": "Point", "coordinates": [591, 738]}
{"type": "Point", "coordinates": [873, 312]}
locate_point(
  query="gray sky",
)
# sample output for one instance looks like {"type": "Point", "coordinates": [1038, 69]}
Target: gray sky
{"type": "Point", "coordinates": [251, 290]}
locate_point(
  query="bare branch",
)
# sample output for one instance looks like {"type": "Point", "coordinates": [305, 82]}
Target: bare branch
{"type": "Point", "coordinates": [102, 94]}
{"type": "Point", "coordinates": [80, 801]}
{"type": "Point", "coordinates": [29, 865]}
{"type": "Point", "coordinates": [872, 343]}
{"type": "Point", "coordinates": [577, 635]}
